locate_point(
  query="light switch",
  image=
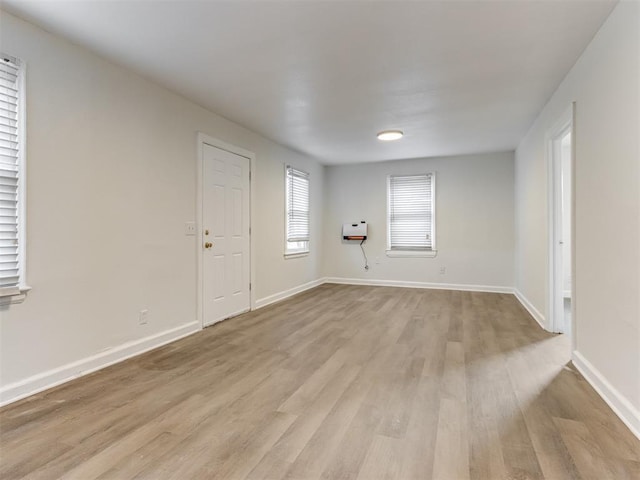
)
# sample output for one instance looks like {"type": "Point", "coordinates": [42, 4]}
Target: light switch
{"type": "Point", "coordinates": [190, 228]}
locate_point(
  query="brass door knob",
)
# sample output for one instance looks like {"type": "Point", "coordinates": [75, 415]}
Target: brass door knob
{"type": "Point", "coordinates": [208, 245]}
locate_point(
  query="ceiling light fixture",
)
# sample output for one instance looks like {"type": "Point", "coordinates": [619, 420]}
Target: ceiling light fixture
{"type": "Point", "coordinates": [388, 135]}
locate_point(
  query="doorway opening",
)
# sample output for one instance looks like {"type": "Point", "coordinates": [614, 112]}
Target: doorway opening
{"type": "Point", "coordinates": [561, 298]}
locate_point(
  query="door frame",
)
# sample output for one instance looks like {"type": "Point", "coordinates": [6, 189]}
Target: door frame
{"type": "Point", "coordinates": [202, 140]}
{"type": "Point", "coordinates": [555, 304]}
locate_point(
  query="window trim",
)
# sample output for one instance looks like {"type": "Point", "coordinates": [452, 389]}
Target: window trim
{"type": "Point", "coordinates": [408, 252]}
{"type": "Point", "coordinates": [412, 253]}
{"type": "Point", "coordinates": [23, 287]}
{"type": "Point", "coordinates": [304, 251]}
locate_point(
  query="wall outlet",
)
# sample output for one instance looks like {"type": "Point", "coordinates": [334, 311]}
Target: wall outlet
{"type": "Point", "coordinates": [443, 270]}
{"type": "Point", "coordinates": [377, 260]}
{"type": "Point", "coordinates": [190, 228]}
{"type": "Point", "coordinates": [143, 317]}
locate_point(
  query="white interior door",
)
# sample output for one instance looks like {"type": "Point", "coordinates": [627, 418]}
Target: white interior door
{"type": "Point", "coordinates": [565, 174]}
{"type": "Point", "coordinates": [225, 234]}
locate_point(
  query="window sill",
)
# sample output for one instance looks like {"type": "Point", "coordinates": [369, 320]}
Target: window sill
{"type": "Point", "coordinates": [15, 298]}
{"type": "Point", "coordinates": [412, 253]}
{"type": "Point", "coordinates": [295, 255]}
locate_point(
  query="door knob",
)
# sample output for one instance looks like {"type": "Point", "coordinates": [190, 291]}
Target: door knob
{"type": "Point", "coordinates": [208, 245]}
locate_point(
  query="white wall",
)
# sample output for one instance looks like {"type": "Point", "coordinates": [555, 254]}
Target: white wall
{"type": "Point", "coordinates": [111, 182]}
{"type": "Point", "coordinates": [605, 85]}
{"type": "Point", "coordinates": [474, 221]}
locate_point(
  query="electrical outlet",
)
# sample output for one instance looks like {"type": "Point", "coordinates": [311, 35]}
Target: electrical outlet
{"type": "Point", "coordinates": [377, 260]}
{"type": "Point", "coordinates": [443, 270]}
{"type": "Point", "coordinates": [142, 317]}
{"type": "Point", "coordinates": [190, 228]}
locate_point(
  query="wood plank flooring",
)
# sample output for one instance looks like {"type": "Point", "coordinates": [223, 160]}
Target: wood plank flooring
{"type": "Point", "coordinates": [340, 382]}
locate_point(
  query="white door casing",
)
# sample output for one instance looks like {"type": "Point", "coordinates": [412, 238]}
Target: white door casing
{"type": "Point", "coordinates": [557, 231]}
{"type": "Point", "coordinates": [224, 234]}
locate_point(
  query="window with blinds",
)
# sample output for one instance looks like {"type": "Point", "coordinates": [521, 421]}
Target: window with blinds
{"type": "Point", "coordinates": [411, 208]}
{"type": "Point", "coordinates": [297, 215]}
{"type": "Point", "coordinates": [11, 134]}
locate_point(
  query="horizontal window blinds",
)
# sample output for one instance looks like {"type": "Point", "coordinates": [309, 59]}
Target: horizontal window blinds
{"type": "Point", "coordinates": [9, 158]}
{"type": "Point", "coordinates": [411, 212]}
{"type": "Point", "coordinates": [297, 205]}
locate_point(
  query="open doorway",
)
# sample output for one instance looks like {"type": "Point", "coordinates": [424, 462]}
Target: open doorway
{"type": "Point", "coordinates": [561, 302]}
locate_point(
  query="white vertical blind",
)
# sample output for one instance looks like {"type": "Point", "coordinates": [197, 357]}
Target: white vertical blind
{"type": "Point", "coordinates": [297, 205]}
{"type": "Point", "coordinates": [9, 169]}
{"type": "Point", "coordinates": [411, 212]}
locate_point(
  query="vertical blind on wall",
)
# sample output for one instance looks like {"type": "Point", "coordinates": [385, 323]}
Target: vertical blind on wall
{"type": "Point", "coordinates": [9, 158]}
{"type": "Point", "coordinates": [411, 212]}
{"type": "Point", "coordinates": [297, 205]}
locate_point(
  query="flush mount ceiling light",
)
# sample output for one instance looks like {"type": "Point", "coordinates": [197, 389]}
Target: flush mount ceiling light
{"type": "Point", "coordinates": [388, 135]}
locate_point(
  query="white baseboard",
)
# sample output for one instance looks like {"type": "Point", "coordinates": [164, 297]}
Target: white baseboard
{"type": "Point", "coordinates": [618, 403]}
{"type": "Point", "coordinates": [276, 297]}
{"type": "Point", "coordinates": [437, 286]}
{"type": "Point", "coordinates": [51, 378]}
{"type": "Point", "coordinates": [535, 313]}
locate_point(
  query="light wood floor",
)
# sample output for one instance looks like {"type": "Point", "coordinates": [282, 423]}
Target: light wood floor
{"type": "Point", "coordinates": [341, 382]}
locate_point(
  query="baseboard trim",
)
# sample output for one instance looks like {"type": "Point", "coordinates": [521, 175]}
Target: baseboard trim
{"type": "Point", "coordinates": [533, 311]}
{"type": "Point", "coordinates": [277, 297]}
{"type": "Point", "coordinates": [436, 286]}
{"type": "Point", "coordinates": [618, 402]}
{"type": "Point", "coordinates": [57, 376]}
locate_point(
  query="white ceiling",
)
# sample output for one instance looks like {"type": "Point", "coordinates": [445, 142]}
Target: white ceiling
{"type": "Point", "coordinates": [322, 77]}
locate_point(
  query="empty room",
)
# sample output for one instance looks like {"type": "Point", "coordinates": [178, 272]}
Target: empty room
{"type": "Point", "coordinates": [320, 239]}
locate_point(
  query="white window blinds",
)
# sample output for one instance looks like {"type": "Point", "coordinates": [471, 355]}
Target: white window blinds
{"type": "Point", "coordinates": [297, 205]}
{"type": "Point", "coordinates": [10, 124]}
{"type": "Point", "coordinates": [411, 207]}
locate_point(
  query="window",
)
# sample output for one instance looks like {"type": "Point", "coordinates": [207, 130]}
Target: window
{"type": "Point", "coordinates": [12, 126]}
{"type": "Point", "coordinates": [411, 215]}
{"type": "Point", "coordinates": [297, 216]}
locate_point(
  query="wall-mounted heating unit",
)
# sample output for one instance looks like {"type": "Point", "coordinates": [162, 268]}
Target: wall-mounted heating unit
{"type": "Point", "coordinates": [354, 231]}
